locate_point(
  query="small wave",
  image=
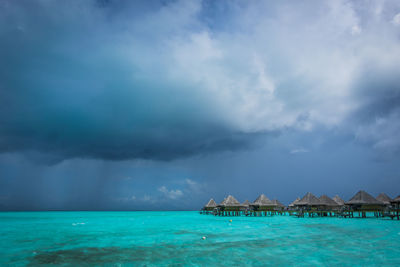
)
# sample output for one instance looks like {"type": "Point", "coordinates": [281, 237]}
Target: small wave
{"type": "Point", "coordinates": [79, 223]}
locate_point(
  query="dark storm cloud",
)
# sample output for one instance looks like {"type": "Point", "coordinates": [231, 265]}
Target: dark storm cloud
{"type": "Point", "coordinates": [169, 79]}
{"type": "Point", "coordinates": [87, 86]}
{"type": "Point", "coordinates": [76, 80]}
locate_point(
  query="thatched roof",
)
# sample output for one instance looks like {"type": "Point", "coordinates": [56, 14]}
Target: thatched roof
{"type": "Point", "coordinates": [396, 200]}
{"type": "Point", "coordinates": [309, 200]}
{"type": "Point", "coordinates": [363, 197]}
{"type": "Point", "coordinates": [277, 203]}
{"type": "Point", "coordinates": [382, 197]}
{"type": "Point", "coordinates": [211, 204]}
{"type": "Point", "coordinates": [327, 201]}
{"type": "Point", "coordinates": [262, 200]}
{"type": "Point", "coordinates": [338, 200]}
{"type": "Point", "coordinates": [246, 203]}
{"type": "Point", "coordinates": [230, 201]}
{"type": "Point", "coordinates": [294, 202]}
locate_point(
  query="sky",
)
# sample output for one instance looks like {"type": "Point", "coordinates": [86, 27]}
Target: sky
{"type": "Point", "coordinates": [161, 105]}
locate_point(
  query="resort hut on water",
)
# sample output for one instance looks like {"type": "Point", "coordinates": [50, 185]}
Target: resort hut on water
{"type": "Point", "coordinates": [210, 206]}
{"type": "Point", "coordinates": [230, 207]}
{"type": "Point", "coordinates": [278, 205]}
{"type": "Point", "coordinates": [246, 204]}
{"type": "Point", "coordinates": [262, 206]}
{"type": "Point", "coordinates": [293, 204]}
{"type": "Point", "coordinates": [382, 197]}
{"type": "Point", "coordinates": [338, 200]}
{"type": "Point", "coordinates": [309, 200]}
{"type": "Point", "coordinates": [308, 204]}
{"type": "Point", "coordinates": [328, 205]}
{"type": "Point", "coordinates": [362, 202]}
{"type": "Point", "coordinates": [396, 206]}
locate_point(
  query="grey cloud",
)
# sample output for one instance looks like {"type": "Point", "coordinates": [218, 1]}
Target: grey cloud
{"type": "Point", "coordinates": [118, 80]}
{"type": "Point", "coordinates": [77, 82]}
{"type": "Point", "coordinates": [378, 92]}
{"type": "Point", "coordinates": [376, 120]}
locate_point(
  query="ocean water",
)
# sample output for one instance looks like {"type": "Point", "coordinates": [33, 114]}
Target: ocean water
{"type": "Point", "coordinates": [175, 239]}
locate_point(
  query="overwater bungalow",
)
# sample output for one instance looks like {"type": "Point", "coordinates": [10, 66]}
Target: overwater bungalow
{"type": "Point", "coordinates": [338, 200]}
{"type": "Point", "coordinates": [278, 205]}
{"type": "Point", "coordinates": [396, 207]}
{"type": "Point", "coordinates": [229, 207]}
{"type": "Point", "coordinates": [382, 197]}
{"type": "Point", "coordinates": [328, 205]}
{"type": "Point", "coordinates": [327, 201]}
{"type": "Point", "coordinates": [246, 204]}
{"type": "Point", "coordinates": [262, 206]}
{"type": "Point", "coordinates": [362, 202]}
{"type": "Point", "coordinates": [309, 204]}
{"type": "Point", "coordinates": [308, 200]}
{"type": "Point", "coordinates": [293, 204]}
{"type": "Point", "coordinates": [210, 206]}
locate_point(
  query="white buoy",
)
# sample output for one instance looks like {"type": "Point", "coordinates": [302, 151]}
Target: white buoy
{"type": "Point", "coordinates": [204, 238]}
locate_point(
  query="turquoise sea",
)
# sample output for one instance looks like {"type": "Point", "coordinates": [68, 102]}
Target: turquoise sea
{"type": "Point", "coordinates": [175, 239]}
